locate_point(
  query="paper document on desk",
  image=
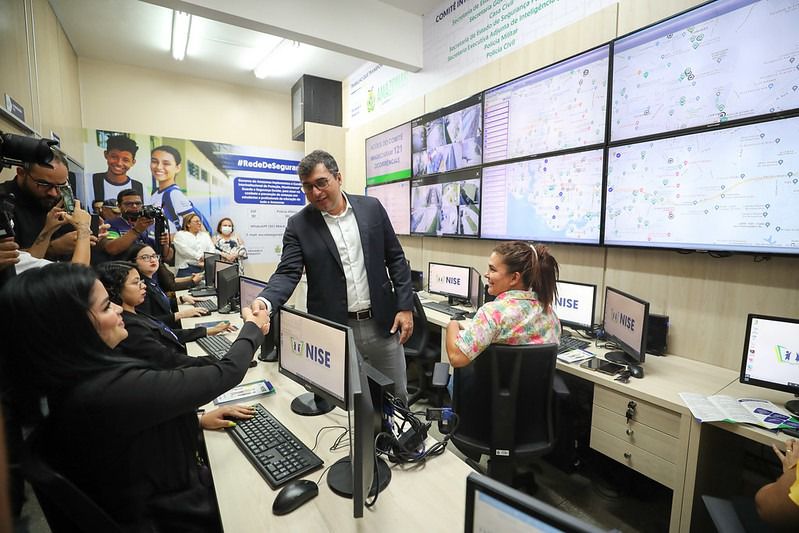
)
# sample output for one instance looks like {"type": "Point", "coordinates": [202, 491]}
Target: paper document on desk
{"type": "Point", "coordinates": [575, 356]}
{"type": "Point", "coordinates": [721, 408]}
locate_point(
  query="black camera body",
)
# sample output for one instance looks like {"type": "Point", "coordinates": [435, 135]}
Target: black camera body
{"type": "Point", "coordinates": [6, 215]}
{"type": "Point", "coordinates": [155, 213]}
{"type": "Point", "coordinates": [19, 149]}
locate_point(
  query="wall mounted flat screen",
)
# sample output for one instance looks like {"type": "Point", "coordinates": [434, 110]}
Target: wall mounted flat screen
{"type": "Point", "coordinates": [388, 155]}
{"type": "Point", "coordinates": [448, 139]}
{"type": "Point", "coordinates": [734, 189]}
{"type": "Point", "coordinates": [552, 199]}
{"type": "Point", "coordinates": [446, 204]}
{"type": "Point", "coordinates": [556, 108]}
{"type": "Point", "coordinates": [396, 200]}
{"type": "Point", "coordinates": [708, 65]}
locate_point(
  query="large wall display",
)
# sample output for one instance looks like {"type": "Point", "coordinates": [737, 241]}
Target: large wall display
{"type": "Point", "coordinates": [447, 204]}
{"type": "Point", "coordinates": [388, 155]}
{"type": "Point", "coordinates": [396, 200]}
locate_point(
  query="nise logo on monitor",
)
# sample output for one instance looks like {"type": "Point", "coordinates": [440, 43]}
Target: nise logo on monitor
{"type": "Point", "coordinates": [448, 280]}
{"type": "Point", "coordinates": [771, 355]}
{"type": "Point", "coordinates": [574, 305]}
{"type": "Point", "coordinates": [625, 323]}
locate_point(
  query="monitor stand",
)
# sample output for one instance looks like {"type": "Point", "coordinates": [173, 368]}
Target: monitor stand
{"type": "Point", "coordinates": [309, 404]}
{"type": "Point", "coordinates": [339, 479]}
{"type": "Point", "coordinates": [793, 407]}
{"type": "Point", "coordinates": [454, 300]}
{"type": "Point", "coordinates": [621, 358]}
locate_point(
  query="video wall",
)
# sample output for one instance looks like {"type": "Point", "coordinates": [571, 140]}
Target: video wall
{"type": "Point", "coordinates": [681, 135]}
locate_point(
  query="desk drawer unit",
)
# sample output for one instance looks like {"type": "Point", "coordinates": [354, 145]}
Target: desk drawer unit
{"type": "Point", "coordinates": [636, 433]}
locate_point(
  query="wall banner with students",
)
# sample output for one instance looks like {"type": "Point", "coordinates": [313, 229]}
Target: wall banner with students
{"type": "Point", "coordinates": [256, 187]}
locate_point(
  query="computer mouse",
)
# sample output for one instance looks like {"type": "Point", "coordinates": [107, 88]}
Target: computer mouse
{"type": "Point", "coordinates": [636, 371]}
{"type": "Point", "coordinates": [293, 495]}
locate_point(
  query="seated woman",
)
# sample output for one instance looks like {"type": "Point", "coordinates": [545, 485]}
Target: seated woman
{"type": "Point", "coordinates": [191, 242]}
{"type": "Point", "coordinates": [149, 338]}
{"type": "Point", "coordinates": [523, 278]}
{"type": "Point", "coordinates": [156, 302]}
{"type": "Point", "coordinates": [778, 503]}
{"type": "Point", "coordinates": [230, 245]}
{"type": "Point", "coordinates": [124, 432]}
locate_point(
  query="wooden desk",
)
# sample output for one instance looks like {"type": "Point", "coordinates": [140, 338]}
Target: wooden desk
{"type": "Point", "coordinates": [426, 498]}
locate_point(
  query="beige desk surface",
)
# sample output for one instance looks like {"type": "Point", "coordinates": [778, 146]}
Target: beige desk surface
{"type": "Point", "coordinates": [426, 498]}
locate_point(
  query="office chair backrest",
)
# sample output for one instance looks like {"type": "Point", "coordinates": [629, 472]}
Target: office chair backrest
{"type": "Point", "coordinates": [66, 507]}
{"type": "Point", "coordinates": [504, 399]}
{"type": "Point", "coordinates": [415, 346]}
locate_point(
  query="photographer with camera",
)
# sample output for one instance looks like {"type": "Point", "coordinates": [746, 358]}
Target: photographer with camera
{"type": "Point", "coordinates": [137, 223]}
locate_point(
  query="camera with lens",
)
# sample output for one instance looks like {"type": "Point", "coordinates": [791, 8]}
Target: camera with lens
{"type": "Point", "coordinates": [19, 149]}
{"type": "Point", "coordinates": [6, 215]}
{"type": "Point", "coordinates": [147, 211]}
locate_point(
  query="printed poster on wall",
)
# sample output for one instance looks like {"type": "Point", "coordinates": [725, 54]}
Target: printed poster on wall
{"type": "Point", "coordinates": [256, 187]}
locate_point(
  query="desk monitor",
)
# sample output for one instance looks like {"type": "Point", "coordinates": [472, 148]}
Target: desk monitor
{"type": "Point", "coordinates": [396, 200]}
{"type": "Point", "coordinates": [452, 281]}
{"type": "Point", "coordinates": [771, 355]}
{"type": "Point", "coordinates": [475, 290]}
{"type": "Point", "coordinates": [227, 289]}
{"type": "Point", "coordinates": [219, 266]}
{"type": "Point", "coordinates": [313, 352]}
{"type": "Point", "coordinates": [494, 506]}
{"type": "Point", "coordinates": [209, 263]}
{"type": "Point", "coordinates": [575, 304]}
{"type": "Point", "coordinates": [249, 289]}
{"type": "Point", "coordinates": [362, 474]}
{"type": "Point", "coordinates": [625, 322]}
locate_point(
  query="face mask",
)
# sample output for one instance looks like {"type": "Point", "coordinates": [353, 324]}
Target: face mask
{"type": "Point", "coordinates": [227, 230]}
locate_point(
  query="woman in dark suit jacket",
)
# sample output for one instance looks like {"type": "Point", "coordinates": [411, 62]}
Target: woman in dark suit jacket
{"type": "Point", "coordinates": [124, 432]}
{"type": "Point", "coordinates": [149, 338]}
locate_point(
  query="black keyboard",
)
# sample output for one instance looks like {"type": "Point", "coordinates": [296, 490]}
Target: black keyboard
{"type": "Point", "coordinates": [443, 308]}
{"type": "Point", "coordinates": [202, 291]}
{"type": "Point", "coordinates": [216, 345]}
{"type": "Point", "coordinates": [275, 452]}
{"type": "Point", "coordinates": [206, 304]}
{"type": "Point", "coordinates": [568, 343]}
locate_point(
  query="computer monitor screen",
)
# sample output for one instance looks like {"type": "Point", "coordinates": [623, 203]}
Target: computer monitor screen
{"type": "Point", "coordinates": [388, 155]}
{"type": "Point", "coordinates": [313, 352]}
{"type": "Point", "coordinates": [625, 321]}
{"type": "Point", "coordinates": [575, 304]}
{"type": "Point", "coordinates": [556, 108]}
{"type": "Point", "coordinates": [449, 280]}
{"type": "Point", "coordinates": [738, 184]}
{"type": "Point", "coordinates": [227, 290]}
{"type": "Point", "coordinates": [396, 200]}
{"type": "Point", "coordinates": [447, 205]}
{"type": "Point", "coordinates": [476, 289]}
{"type": "Point", "coordinates": [552, 199]}
{"type": "Point", "coordinates": [219, 266]}
{"type": "Point", "coordinates": [771, 355]}
{"type": "Point", "coordinates": [209, 262]}
{"type": "Point", "coordinates": [494, 506]}
{"type": "Point", "coordinates": [249, 289]}
{"type": "Point", "coordinates": [706, 66]}
{"type": "Point", "coordinates": [449, 138]}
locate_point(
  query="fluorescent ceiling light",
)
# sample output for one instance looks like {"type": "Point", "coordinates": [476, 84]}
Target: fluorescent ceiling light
{"type": "Point", "coordinates": [278, 60]}
{"type": "Point", "coordinates": [181, 25]}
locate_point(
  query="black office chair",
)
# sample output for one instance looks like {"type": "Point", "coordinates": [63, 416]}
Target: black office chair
{"type": "Point", "coordinates": [506, 407]}
{"type": "Point", "coordinates": [65, 506]}
{"type": "Point", "coordinates": [420, 359]}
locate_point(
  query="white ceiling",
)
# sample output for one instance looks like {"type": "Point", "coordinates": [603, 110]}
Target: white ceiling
{"type": "Point", "coordinates": [139, 33]}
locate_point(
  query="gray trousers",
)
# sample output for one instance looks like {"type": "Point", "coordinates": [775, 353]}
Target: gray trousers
{"type": "Point", "coordinates": [386, 354]}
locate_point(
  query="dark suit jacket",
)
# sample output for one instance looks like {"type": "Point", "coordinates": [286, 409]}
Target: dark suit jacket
{"type": "Point", "coordinates": [147, 341]}
{"type": "Point", "coordinates": [308, 243]}
{"type": "Point", "coordinates": [156, 306]}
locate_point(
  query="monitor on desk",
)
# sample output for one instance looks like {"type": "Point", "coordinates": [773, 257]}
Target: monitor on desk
{"type": "Point", "coordinates": [209, 265]}
{"type": "Point", "coordinates": [625, 322]}
{"type": "Point", "coordinates": [494, 506]}
{"type": "Point", "coordinates": [771, 355]}
{"type": "Point", "coordinates": [249, 289]}
{"type": "Point", "coordinates": [227, 289]}
{"type": "Point", "coordinates": [452, 281]}
{"type": "Point", "coordinates": [219, 266]}
{"type": "Point", "coordinates": [475, 290]}
{"type": "Point", "coordinates": [314, 352]}
{"type": "Point", "coordinates": [575, 304]}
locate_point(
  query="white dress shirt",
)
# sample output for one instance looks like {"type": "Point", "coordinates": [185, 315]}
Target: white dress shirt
{"type": "Point", "coordinates": [189, 248]}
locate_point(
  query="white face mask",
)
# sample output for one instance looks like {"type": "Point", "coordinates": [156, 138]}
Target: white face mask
{"type": "Point", "coordinates": [227, 230]}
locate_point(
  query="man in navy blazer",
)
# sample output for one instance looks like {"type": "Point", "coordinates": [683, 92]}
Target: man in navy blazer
{"type": "Point", "coordinates": [356, 270]}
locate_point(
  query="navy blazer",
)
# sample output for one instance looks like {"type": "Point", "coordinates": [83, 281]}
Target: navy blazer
{"type": "Point", "coordinates": [307, 243]}
{"type": "Point", "coordinates": [148, 341]}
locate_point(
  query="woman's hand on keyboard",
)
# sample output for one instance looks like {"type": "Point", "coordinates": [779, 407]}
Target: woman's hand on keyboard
{"type": "Point", "coordinates": [219, 328]}
{"type": "Point", "coordinates": [191, 312]}
{"type": "Point", "coordinates": [221, 418]}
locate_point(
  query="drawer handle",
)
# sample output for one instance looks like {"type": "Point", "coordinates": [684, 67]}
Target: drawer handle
{"type": "Point", "coordinates": [629, 432]}
{"type": "Point", "coordinates": [628, 455]}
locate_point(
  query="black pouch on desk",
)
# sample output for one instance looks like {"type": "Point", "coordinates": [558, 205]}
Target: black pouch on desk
{"type": "Point", "coordinates": [600, 365]}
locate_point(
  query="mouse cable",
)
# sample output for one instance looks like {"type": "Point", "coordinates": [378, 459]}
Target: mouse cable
{"type": "Point", "coordinates": [319, 481]}
{"type": "Point", "coordinates": [340, 443]}
{"type": "Point", "coordinates": [319, 433]}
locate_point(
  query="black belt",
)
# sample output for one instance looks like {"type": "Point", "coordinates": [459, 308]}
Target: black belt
{"type": "Point", "coordinates": [364, 314]}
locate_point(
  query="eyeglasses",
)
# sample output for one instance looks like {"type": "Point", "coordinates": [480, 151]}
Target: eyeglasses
{"type": "Point", "coordinates": [46, 185]}
{"type": "Point", "coordinates": [320, 184]}
{"type": "Point", "coordinates": [136, 283]}
{"type": "Point", "coordinates": [149, 257]}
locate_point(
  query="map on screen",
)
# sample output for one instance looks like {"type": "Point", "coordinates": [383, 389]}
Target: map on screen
{"type": "Point", "coordinates": [724, 61]}
{"type": "Point", "coordinates": [396, 200]}
{"type": "Point", "coordinates": [447, 205]}
{"type": "Point", "coordinates": [556, 108]}
{"type": "Point", "coordinates": [733, 189]}
{"type": "Point", "coordinates": [552, 199]}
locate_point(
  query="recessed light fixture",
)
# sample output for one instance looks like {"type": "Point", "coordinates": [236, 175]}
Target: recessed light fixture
{"type": "Point", "coordinates": [181, 26]}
